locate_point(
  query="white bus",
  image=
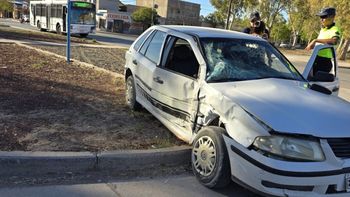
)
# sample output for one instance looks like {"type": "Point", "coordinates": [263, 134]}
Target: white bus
{"type": "Point", "coordinates": [52, 15]}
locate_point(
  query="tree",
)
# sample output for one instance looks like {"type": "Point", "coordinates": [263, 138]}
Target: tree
{"type": "Point", "coordinates": [342, 18]}
{"type": "Point", "coordinates": [271, 9]}
{"type": "Point", "coordinates": [5, 6]}
{"type": "Point", "coordinates": [238, 8]}
{"type": "Point", "coordinates": [281, 32]}
{"type": "Point", "coordinates": [301, 21]}
{"type": "Point", "coordinates": [215, 19]}
{"type": "Point", "coordinates": [144, 16]}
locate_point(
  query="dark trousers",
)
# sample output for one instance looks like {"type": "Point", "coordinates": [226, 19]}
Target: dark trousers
{"type": "Point", "coordinates": [322, 64]}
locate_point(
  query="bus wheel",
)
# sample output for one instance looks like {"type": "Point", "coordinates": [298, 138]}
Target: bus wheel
{"type": "Point", "coordinates": [83, 35]}
{"type": "Point", "coordinates": [58, 29]}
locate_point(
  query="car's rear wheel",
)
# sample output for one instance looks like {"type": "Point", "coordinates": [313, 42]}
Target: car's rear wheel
{"type": "Point", "coordinates": [130, 94]}
{"type": "Point", "coordinates": [84, 35]}
{"type": "Point", "coordinates": [209, 158]}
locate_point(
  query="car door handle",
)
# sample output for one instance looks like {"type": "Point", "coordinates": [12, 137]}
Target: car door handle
{"type": "Point", "coordinates": [158, 80]}
{"type": "Point", "coordinates": [134, 62]}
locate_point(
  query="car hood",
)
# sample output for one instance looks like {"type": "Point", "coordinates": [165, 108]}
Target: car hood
{"type": "Point", "coordinates": [288, 106]}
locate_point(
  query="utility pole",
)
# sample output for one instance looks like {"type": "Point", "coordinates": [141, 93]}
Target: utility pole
{"type": "Point", "coordinates": [228, 14]}
{"type": "Point", "coordinates": [68, 30]}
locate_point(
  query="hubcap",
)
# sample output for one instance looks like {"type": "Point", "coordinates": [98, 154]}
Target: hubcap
{"type": "Point", "coordinates": [204, 156]}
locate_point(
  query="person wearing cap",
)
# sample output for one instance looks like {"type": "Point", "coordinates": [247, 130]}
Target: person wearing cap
{"type": "Point", "coordinates": [329, 34]}
{"type": "Point", "coordinates": [257, 27]}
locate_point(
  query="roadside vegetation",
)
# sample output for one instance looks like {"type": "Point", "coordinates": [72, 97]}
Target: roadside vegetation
{"type": "Point", "coordinates": [292, 23]}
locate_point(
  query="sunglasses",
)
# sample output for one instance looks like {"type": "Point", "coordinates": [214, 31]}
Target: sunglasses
{"type": "Point", "coordinates": [323, 17]}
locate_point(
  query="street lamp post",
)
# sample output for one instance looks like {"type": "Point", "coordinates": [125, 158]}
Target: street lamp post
{"type": "Point", "coordinates": [68, 30]}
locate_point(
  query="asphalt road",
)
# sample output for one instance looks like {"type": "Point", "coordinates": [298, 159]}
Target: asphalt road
{"type": "Point", "coordinates": [179, 185]}
{"type": "Point", "coordinates": [102, 37]}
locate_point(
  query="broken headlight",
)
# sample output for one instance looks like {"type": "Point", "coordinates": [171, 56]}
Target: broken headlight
{"type": "Point", "coordinates": [289, 148]}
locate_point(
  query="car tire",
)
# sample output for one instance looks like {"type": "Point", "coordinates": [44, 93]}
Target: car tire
{"type": "Point", "coordinates": [130, 94]}
{"type": "Point", "coordinates": [211, 170]}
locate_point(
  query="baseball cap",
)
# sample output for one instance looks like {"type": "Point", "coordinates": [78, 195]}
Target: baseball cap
{"type": "Point", "coordinates": [329, 11]}
{"type": "Point", "coordinates": [254, 15]}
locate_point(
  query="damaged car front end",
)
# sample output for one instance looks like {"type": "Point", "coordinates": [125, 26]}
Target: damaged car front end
{"type": "Point", "coordinates": [277, 129]}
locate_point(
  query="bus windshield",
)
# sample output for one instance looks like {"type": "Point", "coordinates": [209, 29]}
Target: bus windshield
{"type": "Point", "coordinates": [83, 13]}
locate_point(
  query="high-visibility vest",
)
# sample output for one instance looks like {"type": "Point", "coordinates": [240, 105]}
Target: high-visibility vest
{"type": "Point", "coordinates": [327, 33]}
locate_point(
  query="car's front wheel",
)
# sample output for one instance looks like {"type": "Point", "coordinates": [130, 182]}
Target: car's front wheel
{"type": "Point", "coordinates": [130, 94]}
{"type": "Point", "coordinates": [209, 158]}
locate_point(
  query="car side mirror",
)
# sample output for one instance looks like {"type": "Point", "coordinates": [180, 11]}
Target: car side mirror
{"type": "Point", "coordinates": [323, 77]}
{"type": "Point", "coordinates": [321, 89]}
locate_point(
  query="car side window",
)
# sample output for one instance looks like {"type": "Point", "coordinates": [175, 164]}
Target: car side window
{"type": "Point", "coordinates": [145, 45]}
{"type": "Point", "coordinates": [155, 46]}
{"type": "Point", "coordinates": [140, 41]}
{"type": "Point", "coordinates": [181, 58]}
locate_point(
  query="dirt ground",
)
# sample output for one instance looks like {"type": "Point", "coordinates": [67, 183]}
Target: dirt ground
{"type": "Point", "coordinates": [108, 58]}
{"type": "Point", "coordinates": [48, 105]}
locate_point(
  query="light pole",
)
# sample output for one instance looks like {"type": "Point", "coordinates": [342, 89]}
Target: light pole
{"type": "Point", "coordinates": [68, 30]}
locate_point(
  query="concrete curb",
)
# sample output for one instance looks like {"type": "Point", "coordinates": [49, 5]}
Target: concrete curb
{"type": "Point", "coordinates": [17, 163]}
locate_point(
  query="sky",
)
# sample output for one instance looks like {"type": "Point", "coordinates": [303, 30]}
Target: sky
{"type": "Point", "coordinates": [206, 7]}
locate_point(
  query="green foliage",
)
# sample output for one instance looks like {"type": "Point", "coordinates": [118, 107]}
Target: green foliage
{"type": "Point", "coordinates": [301, 22]}
{"type": "Point", "coordinates": [215, 19]}
{"type": "Point", "coordinates": [238, 8]}
{"type": "Point", "coordinates": [270, 10]}
{"type": "Point", "coordinates": [5, 5]}
{"type": "Point", "coordinates": [280, 32]}
{"type": "Point", "coordinates": [144, 15]}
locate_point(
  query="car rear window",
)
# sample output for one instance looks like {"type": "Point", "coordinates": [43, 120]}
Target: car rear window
{"type": "Point", "coordinates": [141, 39]}
{"type": "Point", "coordinates": [155, 46]}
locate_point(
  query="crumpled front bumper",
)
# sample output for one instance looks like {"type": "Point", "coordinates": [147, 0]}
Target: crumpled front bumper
{"type": "Point", "coordinates": [273, 177]}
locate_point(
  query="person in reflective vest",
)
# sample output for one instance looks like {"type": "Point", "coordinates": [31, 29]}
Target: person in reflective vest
{"type": "Point", "coordinates": [329, 34]}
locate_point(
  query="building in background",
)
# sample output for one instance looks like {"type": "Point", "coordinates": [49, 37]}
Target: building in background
{"type": "Point", "coordinates": [114, 16]}
{"type": "Point", "coordinates": [20, 7]}
{"type": "Point", "coordinates": [174, 12]}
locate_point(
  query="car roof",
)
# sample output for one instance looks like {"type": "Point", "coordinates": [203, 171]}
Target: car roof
{"type": "Point", "coordinates": [208, 32]}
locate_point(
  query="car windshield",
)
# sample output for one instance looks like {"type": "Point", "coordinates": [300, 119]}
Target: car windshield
{"type": "Point", "coordinates": [83, 13]}
{"type": "Point", "coordinates": [238, 60]}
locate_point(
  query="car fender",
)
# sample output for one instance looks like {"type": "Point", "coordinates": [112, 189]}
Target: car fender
{"type": "Point", "coordinates": [239, 124]}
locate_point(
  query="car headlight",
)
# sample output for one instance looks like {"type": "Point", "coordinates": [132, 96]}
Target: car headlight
{"type": "Point", "coordinates": [289, 148]}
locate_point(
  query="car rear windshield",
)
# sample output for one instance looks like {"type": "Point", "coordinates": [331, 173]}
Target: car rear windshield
{"type": "Point", "coordinates": [238, 60]}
